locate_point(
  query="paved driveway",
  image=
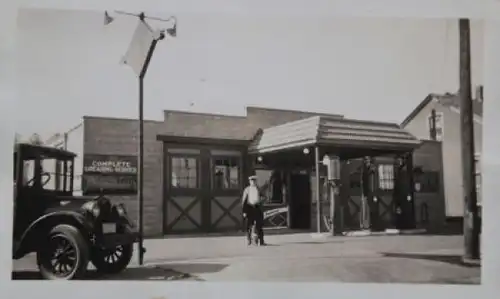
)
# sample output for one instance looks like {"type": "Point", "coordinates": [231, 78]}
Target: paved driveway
{"type": "Point", "coordinates": [298, 257]}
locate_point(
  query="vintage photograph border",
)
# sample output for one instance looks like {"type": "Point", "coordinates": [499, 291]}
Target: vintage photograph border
{"type": "Point", "coordinates": [489, 10]}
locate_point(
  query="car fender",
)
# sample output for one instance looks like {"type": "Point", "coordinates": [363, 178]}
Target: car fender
{"type": "Point", "coordinates": [39, 228]}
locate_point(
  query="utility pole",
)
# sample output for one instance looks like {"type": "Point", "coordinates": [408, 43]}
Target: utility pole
{"type": "Point", "coordinates": [471, 219]}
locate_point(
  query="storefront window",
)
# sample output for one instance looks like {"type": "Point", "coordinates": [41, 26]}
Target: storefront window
{"type": "Point", "coordinates": [272, 186]}
{"type": "Point", "coordinates": [184, 172]}
{"type": "Point", "coordinates": [226, 173]}
{"type": "Point", "coordinates": [386, 176]}
{"type": "Point", "coordinates": [427, 182]}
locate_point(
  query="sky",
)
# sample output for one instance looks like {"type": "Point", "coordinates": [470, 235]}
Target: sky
{"type": "Point", "coordinates": [364, 68]}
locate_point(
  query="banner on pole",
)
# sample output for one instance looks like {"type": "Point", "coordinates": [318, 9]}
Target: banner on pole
{"type": "Point", "coordinates": [139, 46]}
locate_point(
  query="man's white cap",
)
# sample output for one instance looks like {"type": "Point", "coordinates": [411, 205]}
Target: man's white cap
{"type": "Point", "coordinates": [252, 177]}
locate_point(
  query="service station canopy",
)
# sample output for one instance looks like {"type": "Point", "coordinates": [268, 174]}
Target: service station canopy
{"type": "Point", "coordinates": [346, 138]}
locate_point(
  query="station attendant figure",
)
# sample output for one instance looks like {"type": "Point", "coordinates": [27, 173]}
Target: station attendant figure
{"type": "Point", "coordinates": [252, 210]}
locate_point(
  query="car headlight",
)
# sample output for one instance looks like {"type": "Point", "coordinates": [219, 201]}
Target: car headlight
{"type": "Point", "coordinates": [96, 211]}
{"type": "Point", "coordinates": [120, 209]}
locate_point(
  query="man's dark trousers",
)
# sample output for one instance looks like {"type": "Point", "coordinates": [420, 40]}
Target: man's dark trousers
{"type": "Point", "coordinates": [255, 215]}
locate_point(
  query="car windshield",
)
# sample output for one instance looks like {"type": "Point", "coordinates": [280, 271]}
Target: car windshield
{"type": "Point", "coordinates": [55, 174]}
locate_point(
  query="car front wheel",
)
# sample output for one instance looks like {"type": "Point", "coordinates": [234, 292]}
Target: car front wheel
{"type": "Point", "coordinates": [112, 261]}
{"type": "Point", "coordinates": [65, 255]}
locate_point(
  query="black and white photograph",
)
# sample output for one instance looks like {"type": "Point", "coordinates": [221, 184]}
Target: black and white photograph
{"type": "Point", "coordinates": [163, 146]}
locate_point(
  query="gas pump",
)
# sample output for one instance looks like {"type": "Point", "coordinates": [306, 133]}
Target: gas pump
{"type": "Point", "coordinates": [332, 164]}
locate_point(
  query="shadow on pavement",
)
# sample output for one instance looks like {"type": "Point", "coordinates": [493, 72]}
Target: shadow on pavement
{"type": "Point", "coordinates": [267, 232]}
{"type": "Point", "coordinates": [196, 268]}
{"type": "Point", "coordinates": [163, 272]}
{"type": "Point", "coordinates": [450, 259]}
{"type": "Point", "coordinates": [309, 243]}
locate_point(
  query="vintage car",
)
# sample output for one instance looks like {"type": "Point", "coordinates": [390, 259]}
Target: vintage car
{"type": "Point", "coordinates": [64, 230]}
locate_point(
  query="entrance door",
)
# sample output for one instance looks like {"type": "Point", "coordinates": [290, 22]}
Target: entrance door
{"type": "Point", "coordinates": [300, 201]}
{"type": "Point", "coordinates": [185, 188]}
{"type": "Point", "coordinates": [226, 184]}
{"type": "Point", "coordinates": [405, 217]}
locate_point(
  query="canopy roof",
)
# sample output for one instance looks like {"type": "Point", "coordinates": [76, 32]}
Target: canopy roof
{"type": "Point", "coordinates": [334, 133]}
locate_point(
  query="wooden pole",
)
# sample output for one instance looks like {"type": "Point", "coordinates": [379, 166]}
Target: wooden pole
{"type": "Point", "coordinates": [319, 214]}
{"type": "Point", "coordinates": [471, 219]}
{"type": "Point", "coordinates": [331, 188]}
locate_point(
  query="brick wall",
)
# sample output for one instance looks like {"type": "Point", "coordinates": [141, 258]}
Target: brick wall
{"type": "Point", "coordinates": [207, 125]}
{"type": "Point", "coordinates": [107, 136]}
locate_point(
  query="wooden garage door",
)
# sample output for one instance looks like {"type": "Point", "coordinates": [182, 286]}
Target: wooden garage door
{"type": "Point", "coordinates": [184, 202]}
{"type": "Point", "coordinates": [226, 186]}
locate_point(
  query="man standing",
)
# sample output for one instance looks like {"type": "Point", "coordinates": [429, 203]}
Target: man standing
{"type": "Point", "coordinates": [252, 211]}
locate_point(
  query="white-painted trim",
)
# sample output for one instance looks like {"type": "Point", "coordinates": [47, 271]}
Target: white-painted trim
{"type": "Point", "coordinates": [476, 117]}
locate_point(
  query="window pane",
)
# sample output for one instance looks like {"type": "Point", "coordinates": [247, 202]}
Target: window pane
{"type": "Point", "coordinates": [69, 172]}
{"type": "Point", "coordinates": [429, 182]}
{"type": "Point", "coordinates": [436, 126]}
{"type": "Point", "coordinates": [49, 174]}
{"type": "Point", "coordinates": [439, 134]}
{"type": "Point", "coordinates": [439, 127]}
{"type": "Point", "coordinates": [272, 186]}
{"type": "Point", "coordinates": [28, 172]}
{"type": "Point", "coordinates": [226, 173]}
{"type": "Point", "coordinates": [61, 176]}
{"type": "Point", "coordinates": [386, 176]}
{"type": "Point", "coordinates": [184, 172]}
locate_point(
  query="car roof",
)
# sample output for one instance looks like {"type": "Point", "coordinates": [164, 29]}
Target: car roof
{"type": "Point", "coordinates": [33, 150]}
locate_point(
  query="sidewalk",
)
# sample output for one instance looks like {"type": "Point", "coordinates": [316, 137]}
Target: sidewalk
{"type": "Point", "coordinates": [387, 232]}
{"type": "Point", "coordinates": [301, 257]}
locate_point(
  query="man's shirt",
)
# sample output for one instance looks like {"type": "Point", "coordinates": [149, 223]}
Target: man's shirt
{"type": "Point", "coordinates": [252, 195]}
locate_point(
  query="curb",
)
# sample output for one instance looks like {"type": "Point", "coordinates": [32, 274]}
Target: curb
{"type": "Point", "coordinates": [387, 232]}
{"type": "Point", "coordinates": [366, 233]}
{"type": "Point", "coordinates": [471, 262]}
